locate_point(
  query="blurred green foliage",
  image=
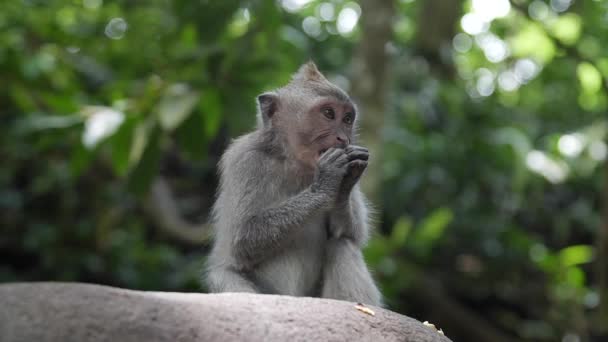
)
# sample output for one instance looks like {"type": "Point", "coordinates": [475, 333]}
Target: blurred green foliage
{"type": "Point", "coordinates": [492, 174]}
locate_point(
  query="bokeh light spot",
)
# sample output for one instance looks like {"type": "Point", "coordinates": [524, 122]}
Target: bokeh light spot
{"type": "Point", "coordinates": [92, 4]}
{"type": "Point", "coordinates": [489, 10]}
{"type": "Point", "coordinates": [508, 81]}
{"type": "Point", "coordinates": [294, 5]}
{"type": "Point", "coordinates": [540, 163]}
{"type": "Point", "coordinates": [326, 11]}
{"type": "Point", "coordinates": [526, 69]}
{"type": "Point", "coordinates": [560, 5]}
{"type": "Point", "coordinates": [347, 20]}
{"type": "Point", "coordinates": [462, 42]}
{"type": "Point", "coordinates": [598, 150]}
{"type": "Point", "coordinates": [116, 28]}
{"type": "Point", "coordinates": [473, 24]}
{"type": "Point", "coordinates": [485, 82]}
{"type": "Point", "coordinates": [538, 10]}
{"type": "Point", "coordinates": [494, 48]}
{"type": "Point", "coordinates": [570, 145]}
{"type": "Point", "coordinates": [312, 26]}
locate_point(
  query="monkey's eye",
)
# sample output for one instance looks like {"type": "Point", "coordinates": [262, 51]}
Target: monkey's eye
{"type": "Point", "coordinates": [329, 113]}
{"type": "Point", "coordinates": [348, 118]}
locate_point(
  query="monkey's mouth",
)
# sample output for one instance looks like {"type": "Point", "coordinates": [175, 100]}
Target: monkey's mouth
{"type": "Point", "coordinates": [323, 151]}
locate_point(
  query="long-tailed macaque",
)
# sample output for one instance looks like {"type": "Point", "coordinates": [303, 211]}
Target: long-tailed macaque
{"type": "Point", "coordinates": [290, 218]}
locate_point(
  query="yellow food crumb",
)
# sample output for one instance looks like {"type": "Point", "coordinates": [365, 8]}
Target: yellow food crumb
{"type": "Point", "coordinates": [440, 331]}
{"type": "Point", "coordinates": [429, 324]}
{"type": "Point", "coordinates": [365, 309]}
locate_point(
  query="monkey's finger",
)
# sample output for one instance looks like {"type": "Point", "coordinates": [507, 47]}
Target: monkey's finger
{"type": "Point", "coordinates": [353, 148]}
{"type": "Point", "coordinates": [354, 172]}
{"type": "Point", "coordinates": [357, 163]}
{"type": "Point", "coordinates": [357, 149]}
{"type": "Point", "coordinates": [357, 166]}
{"type": "Point", "coordinates": [341, 160]}
{"type": "Point", "coordinates": [360, 155]}
{"type": "Point", "coordinates": [333, 154]}
{"type": "Point", "coordinates": [327, 154]}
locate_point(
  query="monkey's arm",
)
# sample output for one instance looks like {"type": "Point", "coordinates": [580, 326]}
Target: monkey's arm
{"type": "Point", "coordinates": [262, 233]}
{"type": "Point", "coordinates": [349, 219]}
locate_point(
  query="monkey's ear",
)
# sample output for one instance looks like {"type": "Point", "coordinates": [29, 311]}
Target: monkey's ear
{"type": "Point", "coordinates": [268, 103]}
{"type": "Point", "coordinates": [309, 72]}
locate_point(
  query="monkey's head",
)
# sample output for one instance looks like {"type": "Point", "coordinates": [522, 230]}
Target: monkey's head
{"type": "Point", "coordinates": [309, 114]}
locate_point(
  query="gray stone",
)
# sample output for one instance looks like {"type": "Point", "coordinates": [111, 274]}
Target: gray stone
{"type": "Point", "coordinates": [82, 312]}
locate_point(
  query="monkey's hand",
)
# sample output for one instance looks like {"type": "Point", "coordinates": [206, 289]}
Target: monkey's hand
{"type": "Point", "coordinates": [357, 162]}
{"type": "Point", "coordinates": [331, 168]}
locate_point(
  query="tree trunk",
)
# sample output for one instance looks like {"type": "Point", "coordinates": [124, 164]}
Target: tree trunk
{"type": "Point", "coordinates": [437, 25]}
{"type": "Point", "coordinates": [602, 263]}
{"type": "Point", "coordinates": [370, 66]}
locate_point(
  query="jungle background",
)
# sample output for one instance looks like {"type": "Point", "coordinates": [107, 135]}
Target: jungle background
{"type": "Point", "coordinates": [486, 121]}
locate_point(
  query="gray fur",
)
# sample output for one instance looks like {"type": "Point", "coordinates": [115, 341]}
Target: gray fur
{"type": "Point", "coordinates": [282, 229]}
{"type": "Point", "coordinates": [346, 276]}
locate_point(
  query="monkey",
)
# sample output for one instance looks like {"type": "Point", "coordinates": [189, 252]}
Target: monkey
{"type": "Point", "coordinates": [289, 216]}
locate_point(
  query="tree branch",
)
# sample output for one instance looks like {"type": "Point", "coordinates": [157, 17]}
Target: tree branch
{"type": "Point", "coordinates": [162, 207]}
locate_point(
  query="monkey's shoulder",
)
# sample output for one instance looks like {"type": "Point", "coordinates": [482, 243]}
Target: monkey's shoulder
{"type": "Point", "coordinates": [245, 157]}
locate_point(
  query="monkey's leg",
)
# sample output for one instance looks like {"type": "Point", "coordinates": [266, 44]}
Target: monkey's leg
{"type": "Point", "coordinates": [226, 280]}
{"type": "Point", "coordinates": [346, 276]}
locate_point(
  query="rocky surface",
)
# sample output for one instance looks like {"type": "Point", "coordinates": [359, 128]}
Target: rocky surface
{"type": "Point", "coordinates": [84, 312]}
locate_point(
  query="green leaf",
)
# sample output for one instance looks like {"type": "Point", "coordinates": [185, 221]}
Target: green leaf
{"type": "Point", "coordinates": [532, 40]}
{"type": "Point", "coordinates": [189, 36]}
{"type": "Point", "coordinates": [575, 277]}
{"type": "Point", "coordinates": [23, 98]}
{"type": "Point", "coordinates": [239, 24]}
{"type": "Point", "coordinates": [567, 28]}
{"type": "Point", "coordinates": [139, 142]}
{"type": "Point", "coordinates": [589, 77]}
{"type": "Point", "coordinates": [401, 231]}
{"type": "Point", "coordinates": [60, 103]}
{"type": "Point", "coordinates": [44, 122]}
{"type": "Point", "coordinates": [175, 106]}
{"type": "Point", "coordinates": [190, 138]}
{"type": "Point", "coordinates": [80, 159]}
{"type": "Point", "coordinates": [211, 107]}
{"type": "Point", "coordinates": [602, 66]}
{"type": "Point", "coordinates": [147, 169]}
{"type": "Point", "coordinates": [121, 144]}
{"type": "Point", "coordinates": [432, 228]}
{"type": "Point", "coordinates": [377, 249]}
{"type": "Point", "coordinates": [576, 255]}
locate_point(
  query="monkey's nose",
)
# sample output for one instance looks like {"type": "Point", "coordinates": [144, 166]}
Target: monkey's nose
{"type": "Point", "coordinates": [342, 141]}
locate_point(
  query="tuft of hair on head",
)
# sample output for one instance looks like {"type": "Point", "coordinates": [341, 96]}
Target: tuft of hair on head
{"type": "Point", "coordinates": [309, 72]}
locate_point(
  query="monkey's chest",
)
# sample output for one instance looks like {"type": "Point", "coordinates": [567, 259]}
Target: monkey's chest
{"type": "Point", "coordinates": [298, 269]}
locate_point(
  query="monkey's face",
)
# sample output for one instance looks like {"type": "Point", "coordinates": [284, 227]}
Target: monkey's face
{"type": "Point", "coordinates": [327, 123]}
